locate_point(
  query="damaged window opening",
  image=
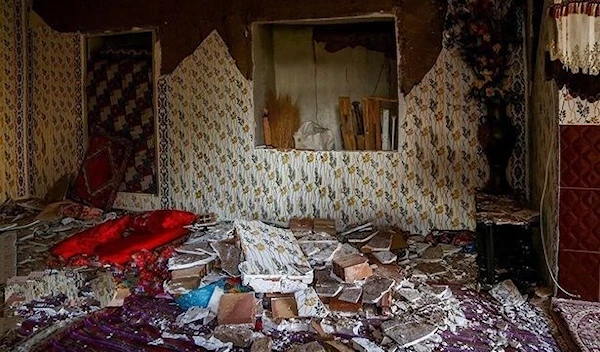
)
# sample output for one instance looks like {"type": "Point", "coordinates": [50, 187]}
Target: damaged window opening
{"type": "Point", "coordinates": [120, 102]}
{"type": "Point", "coordinates": [327, 84]}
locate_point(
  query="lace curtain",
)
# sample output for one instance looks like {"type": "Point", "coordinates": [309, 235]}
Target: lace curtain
{"type": "Point", "coordinates": [576, 41]}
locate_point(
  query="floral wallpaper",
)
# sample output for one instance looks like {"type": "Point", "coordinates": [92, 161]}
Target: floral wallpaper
{"type": "Point", "coordinates": [208, 161]}
{"type": "Point", "coordinates": [214, 166]}
{"type": "Point", "coordinates": [13, 167]}
{"type": "Point", "coordinates": [55, 107]}
{"type": "Point", "coordinates": [576, 111]}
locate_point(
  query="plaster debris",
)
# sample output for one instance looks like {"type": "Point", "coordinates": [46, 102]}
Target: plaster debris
{"type": "Point", "coordinates": [309, 304]}
{"type": "Point", "coordinates": [375, 288]}
{"type": "Point", "coordinates": [363, 228]}
{"type": "Point", "coordinates": [385, 257]}
{"type": "Point", "coordinates": [418, 247]}
{"type": "Point", "coordinates": [331, 289]}
{"type": "Point", "coordinates": [186, 260]}
{"type": "Point", "coordinates": [274, 261]}
{"type": "Point", "coordinates": [239, 336]}
{"type": "Point", "coordinates": [360, 237]}
{"type": "Point", "coordinates": [191, 315]}
{"type": "Point", "coordinates": [308, 347]}
{"type": "Point", "coordinates": [212, 343]}
{"type": "Point", "coordinates": [430, 269]}
{"type": "Point", "coordinates": [262, 344]}
{"type": "Point", "coordinates": [381, 242]}
{"type": "Point", "coordinates": [293, 288]}
{"type": "Point", "coordinates": [507, 294]}
{"type": "Point", "coordinates": [365, 345]}
{"type": "Point", "coordinates": [408, 334]}
{"type": "Point", "coordinates": [351, 294]}
{"type": "Point", "coordinates": [408, 294]}
{"type": "Point", "coordinates": [432, 255]}
{"type": "Point", "coordinates": [230, 256]}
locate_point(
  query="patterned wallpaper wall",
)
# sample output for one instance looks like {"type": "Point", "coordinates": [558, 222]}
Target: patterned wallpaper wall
{"type": "Point", "coordinates": [428, 184]}
{"type": "Point", "coordinates": [576, 111]}
{"type": "Point", "coordinates": [544, 149]}
{"type": "Point", "coordinates": [12, 95]}
{"type": "Point", "coordinates": [208, 161]}
{"type": "Point", "coordinates": [55, 107]}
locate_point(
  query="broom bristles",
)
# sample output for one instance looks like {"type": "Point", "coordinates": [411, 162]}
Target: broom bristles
{"type": "Point", "coordinates": [284, 119]}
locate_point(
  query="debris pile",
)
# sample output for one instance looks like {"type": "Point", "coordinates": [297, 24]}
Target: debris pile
{"type": "Point", "coordinates": [247, 285]}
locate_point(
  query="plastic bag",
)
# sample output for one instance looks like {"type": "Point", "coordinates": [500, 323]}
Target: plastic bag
{"type": "Point", "coordinates": [311, 136]}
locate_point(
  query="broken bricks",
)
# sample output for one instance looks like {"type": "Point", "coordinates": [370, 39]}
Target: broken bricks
{"type": "Point", "coordinates": [352, 268]}
{"type": "Point", "coordinates": [237, 308]}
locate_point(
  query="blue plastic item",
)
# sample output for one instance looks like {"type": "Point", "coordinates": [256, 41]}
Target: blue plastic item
{"type": "Point", "coordinates": [200, 296]}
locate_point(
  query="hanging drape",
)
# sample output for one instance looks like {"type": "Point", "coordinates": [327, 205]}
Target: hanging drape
{"type": "Point", "coordinates": [576, 40]}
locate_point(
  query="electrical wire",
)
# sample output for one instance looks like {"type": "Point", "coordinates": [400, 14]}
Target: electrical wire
{"type": "Point", "coordinates": [542, 226]}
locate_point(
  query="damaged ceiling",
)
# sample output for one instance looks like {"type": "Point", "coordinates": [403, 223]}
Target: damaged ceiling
{"type": "Point", "coordinates": [183, 25]}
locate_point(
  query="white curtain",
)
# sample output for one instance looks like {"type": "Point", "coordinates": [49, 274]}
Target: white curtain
{"type": "Point", "coordinates": [576, 41]}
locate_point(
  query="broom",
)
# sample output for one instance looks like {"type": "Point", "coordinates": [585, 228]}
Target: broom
{"type": "Point", "coordinates": [284, 120]}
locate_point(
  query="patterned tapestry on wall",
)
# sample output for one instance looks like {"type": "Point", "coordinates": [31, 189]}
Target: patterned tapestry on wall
{"type": "Point", "coordinates": [55, 107]}
{"type": "Point", "coordinates": [120, 100]}
{"type": "Point", "coordinates": [518, 168]}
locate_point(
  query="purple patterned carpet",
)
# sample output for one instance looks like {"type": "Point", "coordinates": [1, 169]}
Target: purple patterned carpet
{"type": "Point", "coordinates": [524, 328]}
{"type": "Point", "coordinates": [579, 320]}
{"type": "Point", "coordinates": [132, 327]}
{"type": "Point", "coordinates": [143, 319]}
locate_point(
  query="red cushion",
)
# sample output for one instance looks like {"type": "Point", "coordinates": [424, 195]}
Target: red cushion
{"type": "Point", "coordinates": [86, 241]}
{"type": "Point", "coordinates": [102, 171]}
{"type": "Point", "coordinates": [159, 220]}
{"type": "Point", "coordinates": [120, 252]}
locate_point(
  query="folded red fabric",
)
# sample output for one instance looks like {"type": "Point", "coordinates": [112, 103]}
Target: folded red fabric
{"type": "Point", "coordinates": [159, 220]}
{"type": "Point", "coordinates": [120, 252]}
{"type": "Point", "coordinates": [86, 241]}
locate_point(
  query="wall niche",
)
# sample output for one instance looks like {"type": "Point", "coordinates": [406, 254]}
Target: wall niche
{"type": "Point", "coordinates": [120, 92]}
{"type": "Point", "coordinates": [334, 80]}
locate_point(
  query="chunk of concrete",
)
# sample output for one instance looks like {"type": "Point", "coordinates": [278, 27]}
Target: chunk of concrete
{"type": "Point", "coordinates": [352, 268]}
{"type": "Point", "coordinates": [374, 289]}
{"type": "Point", "coordinates": [238, 335]}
